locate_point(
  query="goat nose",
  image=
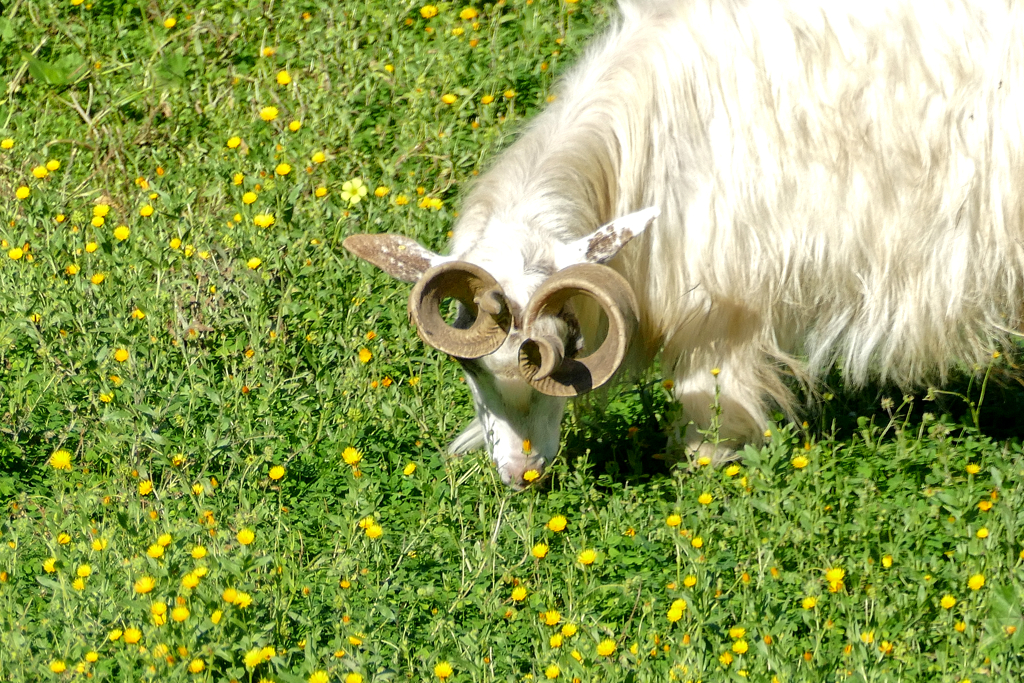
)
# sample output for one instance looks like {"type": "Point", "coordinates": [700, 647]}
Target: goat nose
{"type": "Point", "coordinates": [522, 471]}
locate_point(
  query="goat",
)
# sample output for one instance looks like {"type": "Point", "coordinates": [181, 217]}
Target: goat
{"type": "Point", "coordinates": [829, 183]}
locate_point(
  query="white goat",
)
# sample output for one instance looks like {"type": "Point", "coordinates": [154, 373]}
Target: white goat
{"type": "Point", "coordinates": [836, 182]}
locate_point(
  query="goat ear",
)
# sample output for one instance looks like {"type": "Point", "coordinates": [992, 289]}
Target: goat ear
{"type": "Point", "coordinates": [602, 244]}
{"type": "Point", "coordinates": [398, 256]}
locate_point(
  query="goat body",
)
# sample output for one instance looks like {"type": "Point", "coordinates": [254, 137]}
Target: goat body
{"type": "Point", "coordinates": [836, 182]}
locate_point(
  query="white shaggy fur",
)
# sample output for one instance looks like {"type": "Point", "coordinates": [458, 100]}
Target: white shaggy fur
{"type": "Point", "coordinates": [837, 182]}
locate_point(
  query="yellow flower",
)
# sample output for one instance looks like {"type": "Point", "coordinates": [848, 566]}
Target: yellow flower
{"type": "Point", "coordinates": [947, 602]}
{"type": "Point", "coordinates": [276, 472]}
{"type": "Point", "coordinates": [145, 584]}
{"type": "Point", "coordinates": [449, 98]}
{"type": "Point", "coordinates": [155, 551]}
{"type": "Point", "coordinates": [867, 637]}
{"type": "Point", "coordinates": [690, 581]}
{"type": "Point", "coordinates": [253, 263]}
{"type": "Point", "coordinates": [248, 197]}
{"type": "Point", "coordinates": [246, 536]}
{"type": "Point", "coordinates": [606, 648]}
{"type": "Point", "coordinates": [57, 666]}
{"type": "Point", "coordinates": [121, 355]}
{"type": "Point", "coordinates": [50, 565]}
{"type": "Point", "coordinates": [674, 614]}
{"type": "Point", "coordinates": [180, 614]}
{"type": "Point", "coordinates": [374, 531]}
{"type": "Point", "coordinates": [428, 11]}
{"type": "Point", "coordinates": [552, 672]}
{"type": "Point", "coordinates": [114, 635]}
{"type": "Point", "coordinates": [238, 179]}
{"type": "Point", "coordinates": [132, 635]}
{"type": "Point", "coordinates": [145, 487]}
{"type": "Point", "coordinates": [283, 78]}
{"type": "Point", "coordinates": [973, 469]}
{"type": "Point", "coordinates": [146, 210]}
{"type": "Point", "coordinates": [732, 470]}
{"type": "Point", "coordinates": [175, 243]}
{"type": "Point", "coordinates": [263, 220]}
{"type": "Point", "coordinates": [84, 570]}
{"type": "Point", "coordinates": [800, 462]}
{"type": "Point", "coordinates": [539, 550]}
{"type": "Point", "coordinates": [587, 557]}
{"type": "Point", "coordinates": [739, 647]}
{"type": "Point", "coordinates": [268, 113]}
{"type": "Point", "coordinates": [198, 552]}
{"type": "Point", "coordinates": [63, 538]}
{"type": "Point", "coordinates": [234, 141]}
{"type": "Point", "coordinates": [72, 269]}
{"type": "Point", "coordinates": [170, 22]}
{"type": "Point", "coordinates": [196, 666]}
{"type": "Point", "coordinates": [809, 602]}
{"type": "Point", "coordinates": [737, 632]}
{"type": "Point", "coordinates": [98, 221]}
{"type": "Point", "coordinates": [6, 143]}
{"type": "Point", "coordinates": [401, 200]}
{"type": "Point", "coordinates": [725, 658]}
{"type": "Point", "coordinates": [985, 505]}
{"type": "Point", "coordinates": [557, 523]}
{"type": "Point", "coordinates": [99, 544]}
{"type": "Point", "coordinates": [976, 582]}
{"type": "Point", "coordinates": [697, 542]}
{"type": "Point", "coordinates": [835, 577]}
{"type": "Point", "coordinates": [351, 456]}
{"type": "Point", "coordinates": [518, 594]}
{"type": "Point", "coordinates": [887, 561]}
{"type": "Point", "coordinates": [283, 169]}
{"type": "Point", "coordinates": [253, 658]}
{"type": "Point", "coordinates": [60, 460]}
{"type": "Point", "coordinates": [92, 656]}
{"type": "Point", "coordinates": [190, 580]}
{"type": "Point", "coordinates": [15, 253]}
{"type": "Point", "coordinates": [409, 469]}
{"type": "Point", "coordinates": [509, 94]}
{"type": "Point", "coordinates": [982, 532]}
{"type": "Point", "coordinates": [40, 172]}
{"type": "Point", "coordinates": [674, 520]}
{"type": "Point", "coordinates": [353, 191]}
{"type": "Point", "coordinates": [122, 232]}
{"type": "Point", "coordinates": [349, 678]}
{"type": "Point", "coordinates": [468, 13]}
{"type": "Point", "coordinates": [530, 475]}
{"type": "Point", "coordinates": [320, 191]}
{"type": "Point", "coordinates": [551, 617]}
{"type": "Point", "coordinates": [319, 158]}
{"type": "Point", "coordinates": [216, 616]}
{"type": "Point", "coordinates": [705, 499]}
{"type": "Point", "coordinates": [22, 192]}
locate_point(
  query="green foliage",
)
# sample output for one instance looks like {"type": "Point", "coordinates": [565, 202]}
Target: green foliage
{"type": "Point", "coordinates": [230, 373]}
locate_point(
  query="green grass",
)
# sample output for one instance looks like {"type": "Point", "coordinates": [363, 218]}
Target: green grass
{"type": "Point", "coordinates": [231, 370]}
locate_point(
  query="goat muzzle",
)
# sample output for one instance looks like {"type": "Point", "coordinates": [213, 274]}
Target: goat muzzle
{"type": "Point", "coordinates": [542, 359]}
{"type": "Point", "coordinates": [482, 296]}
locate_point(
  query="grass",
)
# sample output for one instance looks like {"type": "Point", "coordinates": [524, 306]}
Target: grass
{"type": "Point", "coordinates": [223, 460]}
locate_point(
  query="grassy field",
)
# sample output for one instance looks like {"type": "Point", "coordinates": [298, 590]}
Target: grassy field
{"type": "Point", "coordinates": [222, 444]}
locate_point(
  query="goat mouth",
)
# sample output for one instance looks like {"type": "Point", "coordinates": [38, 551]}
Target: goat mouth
{"type": "Point", "coordinates": [523, 472]}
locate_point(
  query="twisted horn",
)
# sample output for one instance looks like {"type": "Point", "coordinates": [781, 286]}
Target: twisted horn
{"type": "Point", "coordinates": [541, 359]}
{"type": "Point", "coordinates": [479, 293]}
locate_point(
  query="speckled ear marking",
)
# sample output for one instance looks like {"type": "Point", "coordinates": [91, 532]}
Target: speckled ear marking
{"type": "Point", "coordinates": [602, 244]}
{"type": "Point", "coordinates": [398, 256]}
